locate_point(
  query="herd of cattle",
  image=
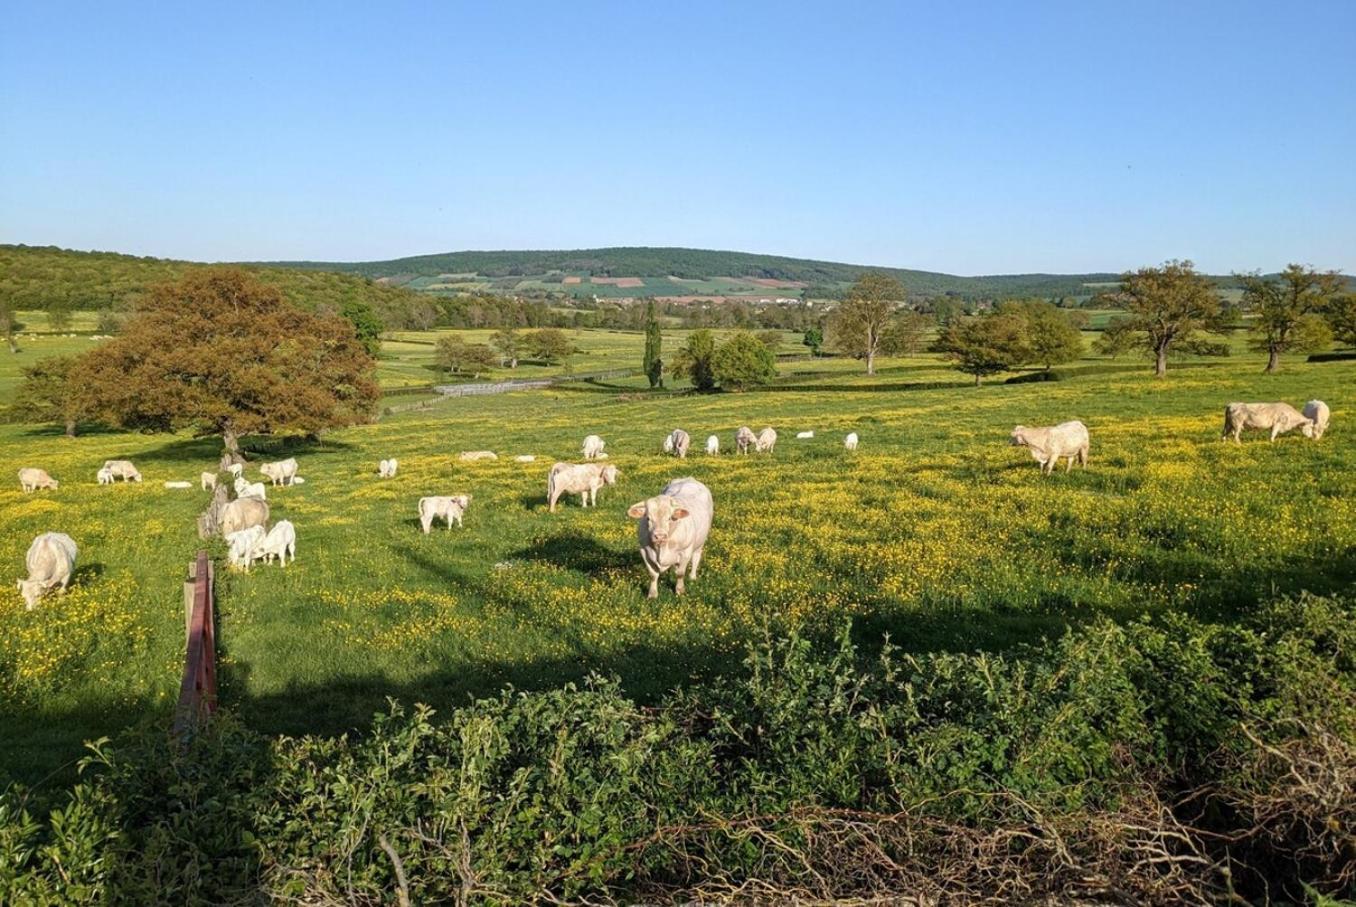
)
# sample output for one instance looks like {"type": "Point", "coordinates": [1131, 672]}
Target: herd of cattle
{"type": "Point", "coordinates": [672, 526]}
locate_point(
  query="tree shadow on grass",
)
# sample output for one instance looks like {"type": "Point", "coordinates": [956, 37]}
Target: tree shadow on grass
{"type": "Point", "coordinates": [576, 551]}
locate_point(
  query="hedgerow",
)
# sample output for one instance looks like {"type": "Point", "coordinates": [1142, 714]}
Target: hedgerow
{"type": "Point", "coordinates": [1160, 761]}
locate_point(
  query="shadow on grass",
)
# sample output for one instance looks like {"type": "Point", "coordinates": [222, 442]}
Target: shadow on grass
{"type": "Point", "coordinates": [578, 552]}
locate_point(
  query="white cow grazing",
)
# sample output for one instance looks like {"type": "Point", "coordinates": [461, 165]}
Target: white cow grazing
{"type": "Point", "coordinates": [471, 456]}
{"type": "Point", "coordinates": [209, 481]}
{"type": "Point", "coordinates": [1318, 411]}
{"type": "Point", "coordinates": [122, 469]}
{"type": "Point", "coordinates": [178, 484]}
{"type": "Point", "coordinates": [243, 513]}
{"type": "Point", "coordinates": [593, 447]}
{"type": "Point", "coordinates": [672, 530]}
{"type": "Point", "coordinates": [583, 479]}
{"type": "Point", "coordinates": [677, 443]}
{"type": "Point", "coordinates": [51, 563]}
{"type": "Point", "coordinates": [713, 445]}
{"type": "Point", "coordinates": [243, 545]}
{"type": "Point", "coordinates": [850, 442]}
{"type": "Point", "coordinates": [236, 469]}
{"type": "Point", "coordinates": [387, 468]}
{"type": "Point", "coordinates": [280, 542]}
{"type": "Point", "coordinates": [245, 489]}
{"type": "Point", "coordinates": [31, 479]}
{"type": "Point", "coordinates": [281, 472]}
{"type": "Point", "coordinates": [1051, 444]}
{"type": "Point", "coordinates": [804, 435]}
{"type": "Point", "coordinates": [767, 439]}
{"type": "Point", "coordinates": [1279, 417]}
{"type": "Point", "coordinates": [449, 508]}
{"type": "Point", "coordinates": [104, 475]}
{"type": "Point", "coordinates": [745, 438]}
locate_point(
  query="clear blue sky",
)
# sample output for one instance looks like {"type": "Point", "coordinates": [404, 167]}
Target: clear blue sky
{"type": "Point", "coordinates": [985, 138]}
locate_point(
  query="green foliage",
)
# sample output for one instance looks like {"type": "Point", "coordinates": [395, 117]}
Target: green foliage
{"type": "Point", "coordinates": [814, 339]}
{"type": "Point", "coordinates": [1168, 306]}
{"type": "Point", "coordinates": [743, 361]}
{"type": "Point", "coordinates": [549, 345]}
{"type": "Point", "coordinates": [1288, 310]}
{"type": "Point", "coordinates": [985, 345]}
{"type": "Point", "coordinates": [906, 334]}
{"type": "Point", "coordinates": [508, 344]}
{"type": "Point", "coordinates": [46, 394]}
{"type": "Point", "coordinates": [577, 794]}
{"type": "Point", "coordinates": [458, 357]}
{"type": "Point", "coordinates": [366, 325]}
{"type": "Point", "coordinates": [694, 360]}
{"type": "Point", "coordinates": [1051, 334]}
{"type": "Point", "coordinates": [857, 326]}
{"type": "Point", "coordinates": [1341, 315]}
{"type": "Point", "coordinates": [9, 325]}
{"type": "Point", "coordinates": [652, 364]}
{"type": "Point", "coordinates": [1116, 339]}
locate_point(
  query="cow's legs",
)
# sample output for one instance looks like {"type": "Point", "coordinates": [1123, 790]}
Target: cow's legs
{"type": "Point", "coordinates": [682, 569]}
{"type": "Point", "coordinates": [696, 562]}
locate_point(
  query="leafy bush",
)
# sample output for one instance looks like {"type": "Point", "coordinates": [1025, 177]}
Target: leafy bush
{"type": "Point", "coordinates": [1054, 772]}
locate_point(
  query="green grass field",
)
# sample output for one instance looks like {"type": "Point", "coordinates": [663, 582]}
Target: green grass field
{"type": "Point", "coordinates": [935, 532]}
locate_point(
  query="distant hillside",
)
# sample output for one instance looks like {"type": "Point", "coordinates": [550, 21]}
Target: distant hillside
{"type": "Point", "coordinates": [44, 277]}
{"type": "Point", "coordinates": [700, 265]}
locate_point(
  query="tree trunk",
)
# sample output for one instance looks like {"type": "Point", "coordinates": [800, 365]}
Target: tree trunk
{"type": "Point", "coordinates": [1161, 362]}
{"type": "Point", "coordinates": [70, 428]}
{"type": "Point", "coordinates": [976, 379]}
{"type": "Point", "coordinates": [871, 362]}
{"type": "Point", "coordinates": [231, 443]}
{"type": "Point", "coordinates": [1273, 359]}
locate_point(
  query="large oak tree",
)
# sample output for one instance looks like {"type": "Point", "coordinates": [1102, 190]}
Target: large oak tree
{"type": "Point", "coordinates": [219, 352]}
{"type": "Point", "coordinates": [1168, 306]}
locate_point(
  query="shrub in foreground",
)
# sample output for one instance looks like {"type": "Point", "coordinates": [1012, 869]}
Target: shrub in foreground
{"type": "Point", "coordinates": [1165, 761]}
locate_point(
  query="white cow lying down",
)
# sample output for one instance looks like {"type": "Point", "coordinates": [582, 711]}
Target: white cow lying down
{"type": "Point", "coordinates": [583, 479]}
{"type": "Point", "coordinates": [672, 530]}
{"type": "Point", "coordinates": [1049, 445]}
{"type": "Point", "coordinates": [51, 563]}
{"type": "Point", "coordinates": [386, 469]}
{"type": "Point", "coordinates": [1279, 417]}
{"type": "Point", "coordinates": [450, 508]}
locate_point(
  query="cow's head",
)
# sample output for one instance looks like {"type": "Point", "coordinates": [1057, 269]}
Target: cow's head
{"type": "Point", "coordinates": [32, 590]}
{"type": "Point", "coordinates": [1018, 436]}
{"type": "Point", "coordinates": [53, 483]}
{"type": "Point", "coordinates": [660, 512]}
{"type": "Point", "coordinates": [610, 475]}
{"type": "Point", "coordinates": [1307, 428]}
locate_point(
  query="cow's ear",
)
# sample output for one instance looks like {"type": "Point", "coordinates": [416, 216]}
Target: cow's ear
{"type": "Point", "coordinates": [636, 511]}
{"type": "Point", "coordinates": [680, 514]}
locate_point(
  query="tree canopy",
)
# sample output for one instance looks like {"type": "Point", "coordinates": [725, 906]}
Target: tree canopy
{"type": "Point", "coordinates": [654, 347]}
{"type": "Point", "coordinates": [1289, 310]}
{"type": "Point", "coordinates": [1051, 335]}
{"type": "Point", "coordinates": [857, 326]}
{"type": "Point", "coordinates": [743, 361]}
{"type": "Point", "coordinates": [985, 345]}
{"type": "Point", "coordinates": [221, 352]}
{"type": "Point", "coordinates": [1168, 307]}
{"type": "Point", "coordinates": [694, 360]}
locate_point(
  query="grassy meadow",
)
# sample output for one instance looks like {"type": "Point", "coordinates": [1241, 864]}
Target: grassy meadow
{"type": "Point", "coordinates": [935, 532]}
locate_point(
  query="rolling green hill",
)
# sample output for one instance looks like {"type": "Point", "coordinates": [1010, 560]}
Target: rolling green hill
{"type": "Point", "coordinates": [694, 265]}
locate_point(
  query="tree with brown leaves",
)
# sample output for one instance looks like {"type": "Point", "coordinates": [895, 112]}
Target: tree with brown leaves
{"type": "Point", "coordinates": [221, 353]}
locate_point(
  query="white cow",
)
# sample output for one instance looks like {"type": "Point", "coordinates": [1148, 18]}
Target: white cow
{"type": "Point", "coordinates": [526, 458]}
{"type": "Point", "coordinates": [243, 545]}
{"type": "Point", "coordinates": [672, 530]}
{"type": "Point", "coordinates": [178, 484]}
{"type": "Point", "coordinates": [745, 438]}
{"type": "Point", "coordinates": [209, 481]}
{"type": "Point", "coordinates": [105, 476]}
{"type": "Point", "coordinates": [51, 563]}
{"type": "Point", "coordinates": [122, 469]}
{"type": "Point", "coordinates": [280, 542]}
{"type": "Point", "coordinates": [471, 456]}
{"type": "Point", "coordinates": [1051, 444]}
{"type": "Point", "coordinates": [31, 479]}
{"type": "Point", "coordinates": [804, 435]}
{"type": "Point", "coordinates": [583, 479]}
{"type": "Point", "coordinates": [677, 443]}
{"type": "Point", "coordinates": [850, 442]}
{"type": "Point", "coordinates": [1279, 417]}
{"type": "Point", "coordinates": [449, 508]}
{"type": "Point", "coordinates": [245, 489]}
{"type": "Point", "coordinates": [281, 472]}
{"type": "Point", "coordinates": [243, 513]}
{"type": "Point", "coordinates": [767, 439]}
{"type": "Point", "coordinates": [713, 445]}
{"type": "Point", "coordinates": [235, 469]}
{"type": "Point", "coordinates": [387, 468]}
{"type": "Point", "coordinates": [593, 447]}
{"type": "Point", "coordinates": [1318, 411]}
